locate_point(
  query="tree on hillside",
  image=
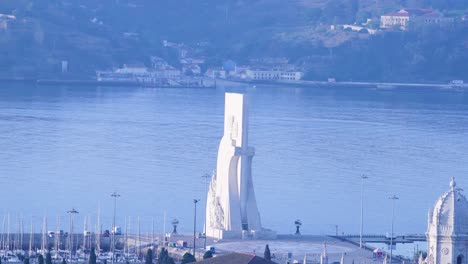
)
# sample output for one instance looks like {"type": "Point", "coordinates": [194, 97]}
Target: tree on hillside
{"type": "Point", "coordinates": [92, 256]}
{"type": "Point", "coordinates": [40, 259]}
{"type": "Point", "coordinates": [267, 254]}
{"type": "Point", "coordinates": [149, 257]}
{"type": "Point", "coordinates": [188, 258]}
{"type": "Point", "coordinates": [208, 254]}
{"type": "Point", "coordinates": [48, 258]}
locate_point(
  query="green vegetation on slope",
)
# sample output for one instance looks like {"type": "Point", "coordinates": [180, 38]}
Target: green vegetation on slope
{"type": "Point", "coordinates": [101, 34]}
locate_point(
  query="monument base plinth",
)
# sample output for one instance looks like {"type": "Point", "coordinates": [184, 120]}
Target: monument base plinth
{"type": "Point", "coordinates": [219, 234]}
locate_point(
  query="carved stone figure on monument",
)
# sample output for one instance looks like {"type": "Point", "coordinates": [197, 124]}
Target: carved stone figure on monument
{"type": "Point", "coordinates": [231, 208]}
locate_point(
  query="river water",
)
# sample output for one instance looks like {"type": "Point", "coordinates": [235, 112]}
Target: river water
{"type": "Point", "coordinates": [64, 147]}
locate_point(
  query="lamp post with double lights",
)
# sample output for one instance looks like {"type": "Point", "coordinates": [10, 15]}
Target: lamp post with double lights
{"type": "Point", "coordinates": [71, 212]}
{"type": "Point", "coordinates": [195, 201]}
{"type": "Point", "coordinates": [114, 195]}
{"type": "Point", "coordinates": [206, 176]}
{"type": "Point", "coordinates": [393, 198]}
{"type": "Point", "coordinates": [363, 177]}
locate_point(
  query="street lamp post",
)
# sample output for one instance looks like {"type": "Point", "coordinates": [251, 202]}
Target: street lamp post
{"type": "Point", "coordinates": [393, 198]}
{"type": "Point", "coordinates": [174, 223]}
{"type": "Point", "coordinates": [71, 212]}
{"type": "Point", "coordinates": [363, 177]}
{"type": "Point", "coordinates": [206, 176]}
{"type": "Point", "coordinates": [195, 201]}
{"type": "Point", "coordinates": [114, 195]}
{"type": "Point", "coordinates": [298, 224]}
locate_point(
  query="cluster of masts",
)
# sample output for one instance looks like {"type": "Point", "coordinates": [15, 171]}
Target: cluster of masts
{"type": "Point", "coordinates": [112, 246]}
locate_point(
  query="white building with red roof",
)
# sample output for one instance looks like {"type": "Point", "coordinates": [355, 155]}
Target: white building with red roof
{"type": "Point", "coordinates": [405, 17]}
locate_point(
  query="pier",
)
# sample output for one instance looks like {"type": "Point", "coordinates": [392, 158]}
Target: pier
{"type": "Point", "coordinates": [402, 239]}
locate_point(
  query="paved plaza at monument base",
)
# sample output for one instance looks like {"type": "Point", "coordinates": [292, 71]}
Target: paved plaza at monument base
{"type": "Point", "coordinates": [296, 249]}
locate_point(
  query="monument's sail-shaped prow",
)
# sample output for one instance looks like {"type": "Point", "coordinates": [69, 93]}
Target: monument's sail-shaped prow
{"type": "Point", "coordinates": [231, 209]}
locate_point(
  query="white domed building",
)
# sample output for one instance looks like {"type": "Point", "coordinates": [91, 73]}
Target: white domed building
{"type": "Point", "coordinates": [447, 230]}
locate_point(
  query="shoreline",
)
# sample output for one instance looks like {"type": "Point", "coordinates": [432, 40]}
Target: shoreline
{"type": "Point", "coordinates": [87, 82]}
{"type": "Point", "coordinates": [301, 83]}
{"type": "Point", "coordinates": [372, 85]}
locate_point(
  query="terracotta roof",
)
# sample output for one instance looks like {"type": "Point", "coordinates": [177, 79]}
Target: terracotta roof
{"type": "Point", "coordinates": [414, 12]}
{"type": "Point", "coordinates": [397, 14]}
{"type": "Point", "coordinates": [236, 258]}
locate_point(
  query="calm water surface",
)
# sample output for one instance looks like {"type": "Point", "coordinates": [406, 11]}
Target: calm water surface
{"type": "Point", "coordinates": [63, 147]}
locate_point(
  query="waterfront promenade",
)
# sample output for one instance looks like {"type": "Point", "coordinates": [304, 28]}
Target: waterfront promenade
{"type": "Point", "coordinates": [241, 82]}
{"type": "Point", "coordinates": [373, 85]}
{"type": "Point", "coordinates": [285, 248]}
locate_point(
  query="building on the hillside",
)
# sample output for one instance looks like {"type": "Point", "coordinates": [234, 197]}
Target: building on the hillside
{"type": "Point", "coordinates": [158, 62]}
{"type": "Point", "coordinates": [447, 228]}
{"type": "Point", "coordinates": [191, 69]}
{"type": "Point", "coordinates": [229, 65]}
{"type": "Point", "coordinates": [360, 29]}
{"type": "Point", "coordinates": [273, 75]}
{"type": "Point", "coordinates": [464, 17]}
{"type": "Point", "coordinates": [404, 18]}
{"type": "Point", "coordinates": [168, 44]}
{"type": "Point", "coordinates": [191, 65]}
{"type": "Point", "coordinates": [5, 20]}
{"type": "Point", "coordinates": [239, 72]}
{"type": "Point", "coordinates": [279, 64]}
{"type": "Point", "coordinates": [138, 74]}
{"type": "Point", "coordinates": [269, 61]}
{"type": "Point", "coordinates": [216, 73]}
{"type": "Point", "coordinates": [192, 61]}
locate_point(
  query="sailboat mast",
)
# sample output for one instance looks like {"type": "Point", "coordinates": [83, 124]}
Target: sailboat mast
{"type": "Point", "coordinates": [8, 234]}
{"type": "Point", "coordinates": [21, 233]}
{"type": "Point", "coordinates": [89, 235]}
{"type": "Point", "coordinates": [136, 240]}
{"type": "Point", "coordinates": [85, 235]}
{"type": "Point", "coordinates": [152, 231]}
{"type": "Point", "coordinates": [164, 225]}
{"type": "Point", "coordinates": [31, 238]}
{"type": "Point", "coordinates": [2, 246]}
{"type": "Point", "coordinates": [125, 239]}
{"type": "Point", "coordinates": [164, 230]}
{"type": "Point", "coordinates": [139, 236]}
{"type": "Point", "coordinates": [99, 231]}
{"type": "Point", "coordinates": [15, 243]}
{"type": "Point", "coordinates": [57, 238]}
{"type": "Point", "coordinates": [44, 236]}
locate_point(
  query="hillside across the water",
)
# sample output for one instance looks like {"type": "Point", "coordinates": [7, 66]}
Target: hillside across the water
{"type": "Point", "coordinates": [94, 35]}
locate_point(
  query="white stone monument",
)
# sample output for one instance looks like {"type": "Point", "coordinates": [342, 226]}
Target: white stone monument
{"type": "Point", "coordinates": [447, 230]}
{"type": "Point", "coordinates": [231, 210]}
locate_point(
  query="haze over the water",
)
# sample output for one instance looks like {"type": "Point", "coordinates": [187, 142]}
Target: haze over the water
{"type": "Point", "coordinates": [72, 147]}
